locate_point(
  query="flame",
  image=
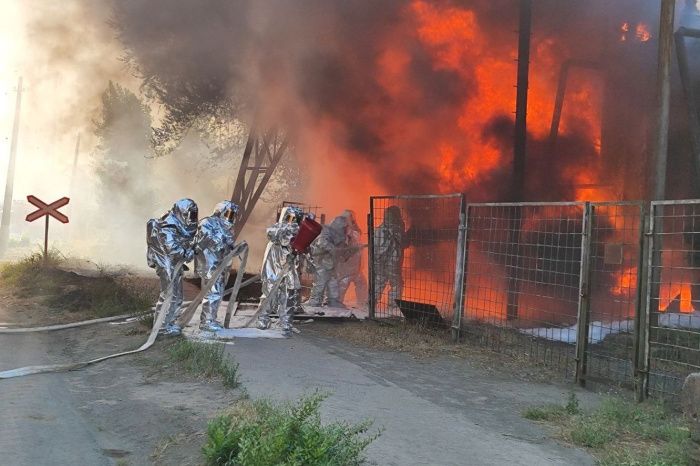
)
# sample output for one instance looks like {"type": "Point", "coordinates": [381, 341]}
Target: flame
{"type": "Point", "coordinates": [626, 282]}
{"type": "Point", "coordinates": [642, 32]}
{"type": "Point", "coordinates": [676, 291]}
{"type": "Point", "coordinates": [456, 43]}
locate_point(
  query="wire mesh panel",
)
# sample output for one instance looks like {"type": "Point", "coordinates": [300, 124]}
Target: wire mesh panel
{"type": "Point", "coordinates": [674, 295]}
{"type": "Point", "coordinates": [414, 249]}
{"type": "Point", "coordinates": [614, 261]}
{"type": "Point", "coordinates": [522, 278]}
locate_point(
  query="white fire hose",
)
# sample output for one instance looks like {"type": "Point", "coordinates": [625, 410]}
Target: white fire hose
{"type": "Point", "coordinates": [186, 316]}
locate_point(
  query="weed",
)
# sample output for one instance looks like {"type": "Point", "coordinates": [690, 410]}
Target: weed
{"type": "Point", "coordinates": [205, 359]}
{"type": "Point", "coordinates": [262, 433]}
{"type": "Point", "coordinates": [572, 404]}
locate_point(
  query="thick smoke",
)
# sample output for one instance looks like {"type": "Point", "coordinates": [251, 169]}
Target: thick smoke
{"type": "Point", "coordinates": [406, 96]}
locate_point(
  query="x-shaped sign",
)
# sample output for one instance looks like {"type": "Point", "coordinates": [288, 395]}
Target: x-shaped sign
{"type": "Point", "coordinates": [47, 209]}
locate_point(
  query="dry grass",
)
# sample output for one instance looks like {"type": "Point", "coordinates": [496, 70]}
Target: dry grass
{"type": "Point", "coordinates": [63, 291]}
{"type": "Point", "coordinates": [423, 342]}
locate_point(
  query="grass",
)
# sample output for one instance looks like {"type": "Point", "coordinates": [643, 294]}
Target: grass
{"type": "Point", "coordinates": [263, 433]}
{"type": "Point", "coordinates": [100, 296]}
{"type": "Point", "coordinates": [205, 360]}
{"type": "Point", "coordinates": [552, 412]}
{"type": "Point", "coordinates": [621, 432]}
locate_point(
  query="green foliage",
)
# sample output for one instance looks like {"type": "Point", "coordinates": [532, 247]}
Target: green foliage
{"type": "Point", "coordinates": [205, 359]}
{"type": "Point", "coordinates": [262, 433]}
{"type": "Point", "coordinates": [621, 432]}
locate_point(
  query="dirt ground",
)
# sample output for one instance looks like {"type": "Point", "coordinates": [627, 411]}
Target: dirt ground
{"type": "Point", "coordinates": [130, 411]}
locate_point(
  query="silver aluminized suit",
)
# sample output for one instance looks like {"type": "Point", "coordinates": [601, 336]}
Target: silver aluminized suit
{"type": "Point", "coordinates": [324, 258]}
{"type": "Point", "coordinates": [212, 242]}
{"type": "Point", "coordinates": [169, 246]}
{"type": "Point", "coordinates": [278, 254]}
{"type": "Point", "coordinates": [350, 262]}
{"type": "Point", "coordinates": [389, 244]}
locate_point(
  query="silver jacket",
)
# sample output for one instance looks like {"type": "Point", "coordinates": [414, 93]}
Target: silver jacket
{"type": "Point", "coordinates": [212, 242]}
{"type": "Point", "coordinates": [169, 238]}
{"type": "Point", "coordinates": [324, 248]}
{"type": "Point", "coordinates": [279, 252]}
{"type": "Point", "coordinates": [389, 244]}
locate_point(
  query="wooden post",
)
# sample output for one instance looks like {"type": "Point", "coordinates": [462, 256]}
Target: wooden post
{"type": "Point", "coordinates": [46, 240]}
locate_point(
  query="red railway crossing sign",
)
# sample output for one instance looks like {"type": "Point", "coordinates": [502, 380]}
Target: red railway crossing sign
{"type": "Point", "coordinates": [47, 210]}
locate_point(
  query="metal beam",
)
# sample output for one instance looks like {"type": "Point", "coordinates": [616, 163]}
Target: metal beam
{"type": "Point", "coordinates": [260, 158]}
{"type": "Point", "coordinates": [561, 95]}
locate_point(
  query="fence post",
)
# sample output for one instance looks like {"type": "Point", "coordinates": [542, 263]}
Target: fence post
{"type": "Point", "coordinates": [645, 292]}
{"type": "Point", "coordinates": [460, 270]}
{"type": "Point", "coordinates": [370, 257]}
{"type": "Point", "coordinates": [584, 297]}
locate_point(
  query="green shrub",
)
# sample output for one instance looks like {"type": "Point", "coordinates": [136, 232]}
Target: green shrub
{"type": "Point", "coordinates": [262, 433]}
{"type": "Point", "coordinates": [205, 359]}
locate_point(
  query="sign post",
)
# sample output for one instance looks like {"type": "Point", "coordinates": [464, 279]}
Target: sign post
{"type": "Point", "coordinates": [44, 209]}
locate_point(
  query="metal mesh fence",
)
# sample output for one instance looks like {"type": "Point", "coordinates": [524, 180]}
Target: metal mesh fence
{"type": "Point", "coordinates": [600, 290]}
{"type": "Point", "coordinates": [673, 295]}
{"type": "Point", "coordinates": [413, 257]}
{"type": "Point", "coordinates": [615, 254]}
{"type": "Point", "coordinates": [522, 279]}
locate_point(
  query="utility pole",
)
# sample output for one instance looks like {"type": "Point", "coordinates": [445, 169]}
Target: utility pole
{"type": "Point", "coordinates": [658, 190]}
{"type": "Point", "coordinates": [9, 183]}
{"type": "Point", "coordinates": [75, 166]}
{"type": "Point", "coordinates": [520, 143]}
{"type": "Point", "coordinates": [663, 96]}
{"type": "Point", "coordinates": [519, 155]}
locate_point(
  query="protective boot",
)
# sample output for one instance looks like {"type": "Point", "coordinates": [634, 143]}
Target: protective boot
{"type": "Point", "coordinates": [263, 322]}
{"type": "Point", "coordinates": [210, 326]}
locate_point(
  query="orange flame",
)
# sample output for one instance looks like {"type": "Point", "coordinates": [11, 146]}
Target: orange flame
{"type": "Point", "coordinates": [642, 32]}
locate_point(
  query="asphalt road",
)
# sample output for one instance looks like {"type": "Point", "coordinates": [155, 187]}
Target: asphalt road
{"type": "Point", "coordinates": [433, 412]}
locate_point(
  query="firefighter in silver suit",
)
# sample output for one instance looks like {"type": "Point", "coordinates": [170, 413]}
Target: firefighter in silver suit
{"type": "Point", "coordinates": [350, 261]}
{"type": "Point", "coordinates": [324, 251]}
{"type": "Point", "coordinates": [389, 244]}
{"type": "Point", "coordinates": [169, 247]}
{"type": "Point", "coordinates": [212, 243]}
{"type": "Point", "coordinates": [278, 254]}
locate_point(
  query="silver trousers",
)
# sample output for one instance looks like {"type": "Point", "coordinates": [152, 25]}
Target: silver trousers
{"type": "Point", "coordinates": [171, 313]}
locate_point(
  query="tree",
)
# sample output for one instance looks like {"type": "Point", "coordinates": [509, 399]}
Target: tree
{"type": "Point", "coordinates": [121, 160]}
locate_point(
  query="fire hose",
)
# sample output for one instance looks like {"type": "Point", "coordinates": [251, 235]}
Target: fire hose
{"type": "Point", "coordinates": [241, 248]}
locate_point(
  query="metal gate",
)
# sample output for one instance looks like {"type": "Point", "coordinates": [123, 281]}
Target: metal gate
{"type": "Point", "coordinates": [671, 348]}
{"type": "Point", "coordinates": [413, 256]}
